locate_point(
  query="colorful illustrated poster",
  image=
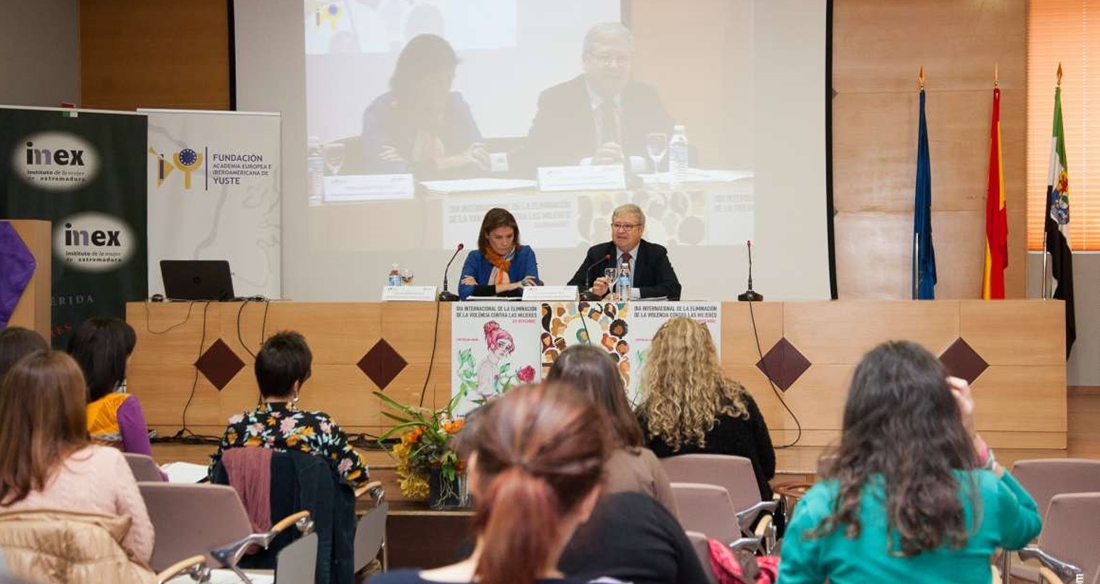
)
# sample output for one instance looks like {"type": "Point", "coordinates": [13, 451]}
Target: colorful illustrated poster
{"type": "Point", "coordinates": [647, 318]}
{"type": "Point", "coordinates": [604, 324]}
{"type": "Point", "coordinates": [494, 348]}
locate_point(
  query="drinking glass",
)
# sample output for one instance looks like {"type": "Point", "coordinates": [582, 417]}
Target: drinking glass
{"type": "Point", "coordinates": [406, 276]}
{"type": "Point", "coordinates": [334, 157]}
{"type": "Point", "coordinates": [656, 145]}
{"type": "Point", "coordinates": [611, 274]}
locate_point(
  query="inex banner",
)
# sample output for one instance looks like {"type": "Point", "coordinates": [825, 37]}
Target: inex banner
{"type": "Point", "coordinates": [84, 172]}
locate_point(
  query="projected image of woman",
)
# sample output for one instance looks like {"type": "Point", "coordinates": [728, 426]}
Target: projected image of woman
{"type": "Point", "coordinates": [420, 125]}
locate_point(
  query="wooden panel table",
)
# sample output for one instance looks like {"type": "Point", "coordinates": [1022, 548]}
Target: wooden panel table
{"type": "Point", "coordinates": [1021, 396]}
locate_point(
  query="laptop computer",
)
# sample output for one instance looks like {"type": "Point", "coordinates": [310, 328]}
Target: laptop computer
{"type": "Point", "coordinates": [197, 280]}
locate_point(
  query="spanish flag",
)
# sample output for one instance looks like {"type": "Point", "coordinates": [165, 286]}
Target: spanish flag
{"type": "Point", "coordinates": [996, 219]}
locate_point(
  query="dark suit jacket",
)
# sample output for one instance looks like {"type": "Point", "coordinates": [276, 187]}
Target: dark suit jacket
{"type": "Point", "coordinates": [564, 130]}
{"type": "Point", "coordinates": [653, 273]}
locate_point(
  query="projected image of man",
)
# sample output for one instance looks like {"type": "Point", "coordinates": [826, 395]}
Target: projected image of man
{"type": "Point", "coordinates": [601, 116]}
{"type": "Point", "coordinates": [651, 271]}
{"type": "Point", "coordinates": [420, 125]}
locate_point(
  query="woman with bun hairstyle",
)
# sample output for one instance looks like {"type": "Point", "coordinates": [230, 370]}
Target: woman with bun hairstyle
{"type": "Point", "coordinates": [535, 472]}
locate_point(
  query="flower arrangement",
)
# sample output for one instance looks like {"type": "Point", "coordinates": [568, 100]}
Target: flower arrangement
{"type": "Point", "coordinates": [425, 445]}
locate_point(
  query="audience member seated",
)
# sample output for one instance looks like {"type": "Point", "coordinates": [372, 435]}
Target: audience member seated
{"type": "Point", "coordinates": [420, 125]}
{"type": "Point", "coordinates": [689, 406]}
{"type": "Point", "coordinates": [17, 342]}
{"type": "Point", "coordinates": [283, 365]}
{"type": "Point", "coordinates": [914, 494]}
{"type": "Point", "coordinates": [632, 538]}
{"type": "Point", "coordinates": [102, 346]}
{"type": "Point", "coordinates": [46, 459]}
{"type": "Point", "coordinates": [535, 475]}
{"type": "Point", "coordinates": [631, 466]}
{"type": "Point", "coordinates": [501, 265]}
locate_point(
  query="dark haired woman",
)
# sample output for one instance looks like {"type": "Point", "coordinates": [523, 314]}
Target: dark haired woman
{"type": "Point", "coordinates": [17, 342]}
{"type": "Point", "coordinates": [420, 125]}
{"type": "Point", "coordinates": [538, 461]}
{"type": "Point", "coordinates": [501, 265]}
{"type": "Point", "coordinates": [914, 495]}
{"type": "Point", "coordinates": [102, 346]}
{"type": "Point", "coordinates": [631, 467]}
{"type": "Point", "coordinates": [47, 461]}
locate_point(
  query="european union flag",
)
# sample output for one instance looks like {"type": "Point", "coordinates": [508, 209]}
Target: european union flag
{"type": "Point", "coordinates": [924, 255]}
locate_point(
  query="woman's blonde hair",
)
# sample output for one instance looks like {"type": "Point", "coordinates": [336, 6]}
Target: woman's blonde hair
{"type": "Point", "coordinates": [42, 422]}
{"type": "Point", "coordinates": [684, 391]}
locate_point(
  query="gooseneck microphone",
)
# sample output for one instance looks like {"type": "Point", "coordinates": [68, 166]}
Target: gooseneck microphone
{"type": "Point", "coordinates": [749, 295]}
{"type": "Point", "coordinates": [446, 295]}
{"type": "Point", "coordinates": [586, 294]}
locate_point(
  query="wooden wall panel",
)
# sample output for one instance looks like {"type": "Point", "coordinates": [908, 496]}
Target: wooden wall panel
{"type": "Point", "coordinates": [154, 53]}
{"type": "Point", "coordinates": [1020, 404]}
{"type": "Point", "coordinates": [878, 50]}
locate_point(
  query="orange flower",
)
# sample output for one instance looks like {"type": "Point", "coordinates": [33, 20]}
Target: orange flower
{"type": "Point", "coordinates": [454, 427]}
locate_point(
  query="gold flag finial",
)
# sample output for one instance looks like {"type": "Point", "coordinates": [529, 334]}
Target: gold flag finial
{"type": "Point", "coordinates": [996, 75]}
{"type": "Point", "coordinates": [921, 77]}
{"type": "Point", "coordinates": [1059, 74]}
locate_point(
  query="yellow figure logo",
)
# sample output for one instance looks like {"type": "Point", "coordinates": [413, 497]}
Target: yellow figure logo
{"type": "Point", "coordinates": [186, 161]}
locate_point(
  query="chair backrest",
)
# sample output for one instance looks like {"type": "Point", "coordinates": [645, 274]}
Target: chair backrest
{"type": "Point", "coordinates": [192, 520]}
{"type": "Point", "coordinates": [297, 563]}
{"type": "Point", "coordinates": [370, 534]}
{"type": "Point", "coordinates": [702, 549]}
{"type": "Point", "coordinates": [706, 509]}
{"type": "Point", "coordinates": [1046, 477]}
{"type": "Point", "coordinates": [144, 468]}
{"type": "Point", "coordinates": [734, 473]}
{"type": "Point", "coordinates": [825, 464]}
{"type": "Point", "coordinates": [1071, 531]}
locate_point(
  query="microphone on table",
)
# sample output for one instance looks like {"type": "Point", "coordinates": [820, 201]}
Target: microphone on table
{"type": "Point", "coordinates": [587, 294]}
{"type": "Point", "coordinates": [749, 295]}
{"type": "Point", "coordinates": [446, 295]}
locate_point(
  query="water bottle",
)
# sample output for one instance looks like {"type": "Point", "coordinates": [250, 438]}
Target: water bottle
{"type": "Point", "coordinates": [394, 279]}
{"type": "Point", "coordinates": [622, 286]}
{"type": "Point", "coordinates": [315, 167]}
{"type": "Point", "coordinates": [678, 157]}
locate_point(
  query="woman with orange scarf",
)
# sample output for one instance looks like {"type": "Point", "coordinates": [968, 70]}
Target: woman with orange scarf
{"type": "Point", "coordinates": [501, 266]}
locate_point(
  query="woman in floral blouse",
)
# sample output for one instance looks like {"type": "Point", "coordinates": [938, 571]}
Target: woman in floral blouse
{"type": "Point", "coordinates": [282, 366]}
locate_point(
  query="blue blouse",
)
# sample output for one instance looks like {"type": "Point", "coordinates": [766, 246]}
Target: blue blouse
{"type": "Point", "coordinates": [523, 265]}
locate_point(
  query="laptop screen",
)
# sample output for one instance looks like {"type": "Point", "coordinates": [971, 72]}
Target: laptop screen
{"type": "Point", "coordinates": [197, 280]}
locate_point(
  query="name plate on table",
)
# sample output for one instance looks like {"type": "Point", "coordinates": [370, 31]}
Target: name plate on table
{"type": "Point", "coordinates": [603, 177]}
{"type": "Point", "coordinates": [550, 293]}
{"type": "Point", "coordinates": [409, 293]}
{"type": "Point", "coordinates": [368, 187]}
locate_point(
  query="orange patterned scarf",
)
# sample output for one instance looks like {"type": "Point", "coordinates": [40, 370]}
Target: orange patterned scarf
{"type": "Point", "coordinates": [501, 264]}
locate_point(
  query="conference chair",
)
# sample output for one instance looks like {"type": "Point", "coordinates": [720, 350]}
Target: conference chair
{"type": "Point", "coordinates": [1044, 478]}
{"type": "Point", "coordinates": [702, 549]}
{"type": "Point", "coordinates": [193, 568]}
{"type": "Point", "coordinates": [735, 474]}
{"type": "Point", "coordinates": [144, 468]}
{"type": "Point", "coordinates": [1067, 548]}
{"type": "Point", "coordinates": [707, 509]}
{"type": "Point", "coordinates": [206, 520]}
{"type": "Point", "coordinates": [370, 535]}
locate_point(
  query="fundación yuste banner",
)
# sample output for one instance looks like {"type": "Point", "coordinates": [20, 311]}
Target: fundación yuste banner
{"type": "Point", "coordinates": [83, 171]}
{"type": "Point", "coordinates": [214, 182]}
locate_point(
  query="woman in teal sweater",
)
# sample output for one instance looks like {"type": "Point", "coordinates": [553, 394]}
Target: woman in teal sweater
{"type": "Point", "coordinates": [915, 495]}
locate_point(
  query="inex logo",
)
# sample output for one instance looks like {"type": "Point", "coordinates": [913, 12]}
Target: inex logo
{"type": "Point", "coordinates": [186, 160]}
{"type": "Point", "coordinates": [93, 242]}
{"type": "Point", "coordinates": [56, 161]}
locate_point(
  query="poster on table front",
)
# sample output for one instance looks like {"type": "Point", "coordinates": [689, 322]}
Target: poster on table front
{"type": "Point", "coordinates": [603, 324]}
{"type": "Point", "coordinates": [214, 194]}
{"type": "Point", "coordinates": [84, 172]}
{"type": "Point", "coordinates": [647, 318]}
{"type": "Point", "coordinates": [494, 348]}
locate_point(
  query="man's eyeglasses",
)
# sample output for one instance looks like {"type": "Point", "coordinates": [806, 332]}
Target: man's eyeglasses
{"type": "Point", "coordinates": [625, 226]}
{"type": "Point", "coordinates": [607, 60]}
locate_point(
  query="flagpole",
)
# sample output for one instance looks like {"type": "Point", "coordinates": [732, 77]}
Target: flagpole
{"type": "Point", "coordinates": [1047, 289]}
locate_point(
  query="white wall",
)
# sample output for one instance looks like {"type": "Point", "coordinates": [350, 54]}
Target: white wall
{"type": "Point", "coordinates": [1083, 367]}
{"type": "Point", "coordinates": [40, 61]}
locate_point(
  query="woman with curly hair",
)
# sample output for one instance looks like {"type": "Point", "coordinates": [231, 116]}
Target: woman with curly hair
{"type": "Point", "coordinates": [915, 494]}
{"type": "Point", "coordinates": [689, 406]}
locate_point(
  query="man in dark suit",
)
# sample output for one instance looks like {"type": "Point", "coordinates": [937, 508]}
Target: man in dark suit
{"type": "Point", "coordinates": [601, 116]}
{"type": "Point", "coordinates": [651, 272]}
